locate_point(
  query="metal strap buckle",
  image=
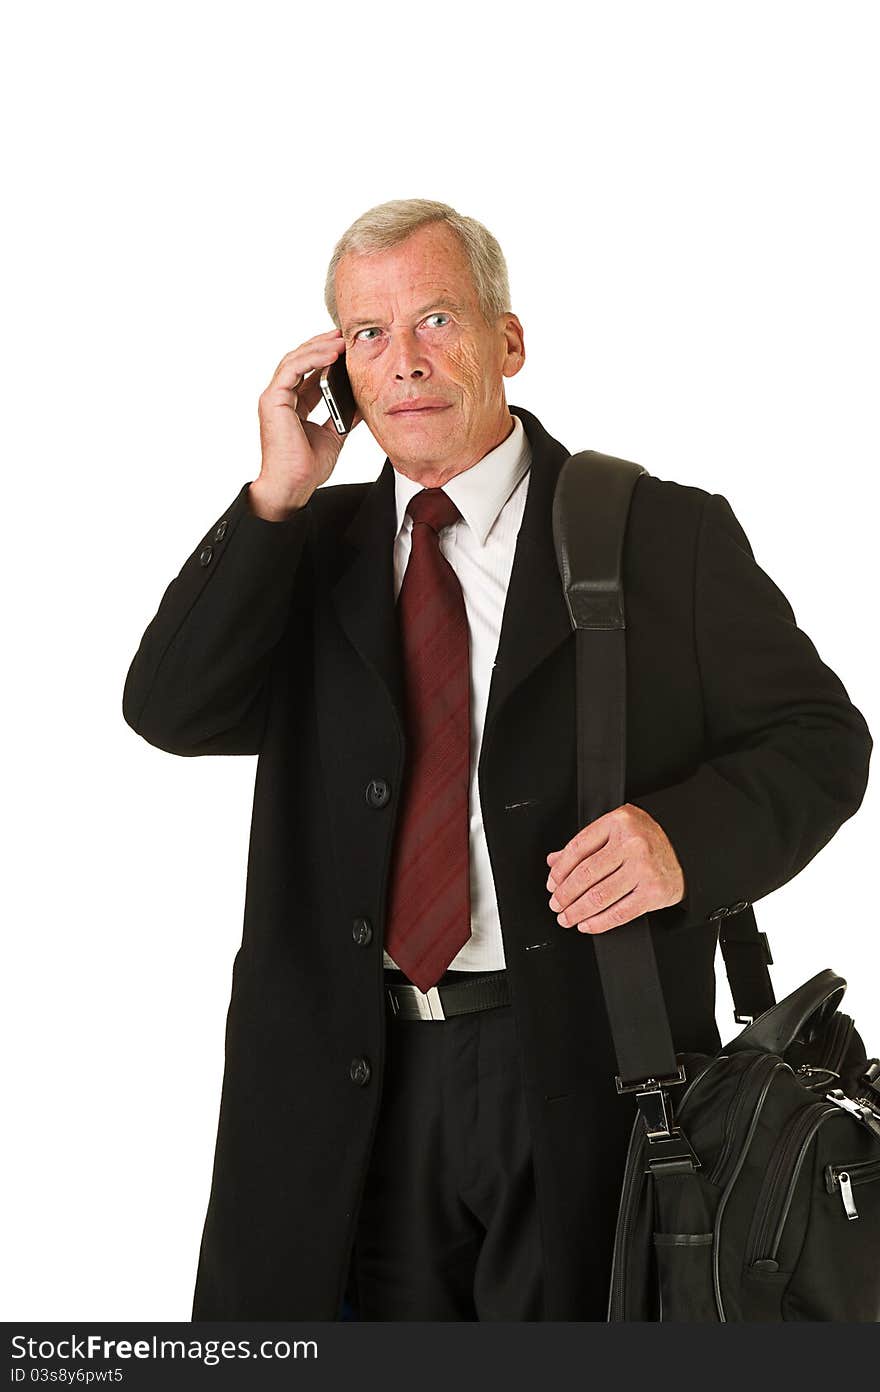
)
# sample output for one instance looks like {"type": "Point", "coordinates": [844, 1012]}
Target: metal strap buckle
{"type": "Point", "coordinates": [642, 1083]}
{"type": "Point", "coordinates": [656, 1110]}
{"type": "Point", "coordinates": [669, 1150]}
{"type": "Point", "coordinates": [670, 1154]}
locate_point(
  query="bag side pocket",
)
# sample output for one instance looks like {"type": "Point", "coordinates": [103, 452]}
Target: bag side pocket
{"type": "Point", "coordinates": [684, 1277]}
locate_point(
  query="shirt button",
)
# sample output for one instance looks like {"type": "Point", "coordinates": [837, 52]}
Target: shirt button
{"type": "Point", "coordinates": [378, 792]}
{"type": "Point", "coordinates": [205, 555]}
{"type": "Point", "coordinates": [221, 530]}
{"type": "Point", "coordinates": [362, 932]}
{"type": "Point", "coordinates": [360, 1071]}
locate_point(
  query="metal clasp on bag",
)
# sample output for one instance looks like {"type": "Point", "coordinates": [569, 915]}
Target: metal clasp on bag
{"type": "Point", "coordinates": [862, 1109]}
{"type": "Point", "coordinates": [871, 1077]}
{"type": "Point", "coordinates": [669, 1150]}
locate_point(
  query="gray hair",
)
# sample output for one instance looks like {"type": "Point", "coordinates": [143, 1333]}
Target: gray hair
{"type": "Point", "coordinates": [383, 227]}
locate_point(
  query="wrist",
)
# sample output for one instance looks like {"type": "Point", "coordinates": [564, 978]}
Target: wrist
{"type": "Point", "coordinates": [269, 508]}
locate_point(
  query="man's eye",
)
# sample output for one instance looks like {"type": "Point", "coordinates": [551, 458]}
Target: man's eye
{"type": "Point", "coordinates": [439, 315]}
{"type": "Point", "coordinates": [363, 331]}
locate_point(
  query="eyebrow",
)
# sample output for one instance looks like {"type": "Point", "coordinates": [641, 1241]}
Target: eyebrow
{"type": "Point", "coordinates": [442, 302]}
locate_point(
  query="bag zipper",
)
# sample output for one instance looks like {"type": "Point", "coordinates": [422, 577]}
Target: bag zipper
{"type": "Point", "coordinates": [777, 1191]}
{"type": "Point", "coordinates": [777, 1064]}
{"type": "Point", "coordinates": [744, 1095]}
{"type": "Point", "coordinates": [842, 1178]}
{"type": "Point", "coordinates": [637, 1139]}
{"type": "Point", "coordinates": [814, 1078]}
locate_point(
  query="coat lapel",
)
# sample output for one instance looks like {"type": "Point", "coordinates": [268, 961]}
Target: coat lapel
{"type": "Point", "coordinates": [535, 619]}
{"type": "Point", "coordinates": [363, 595]}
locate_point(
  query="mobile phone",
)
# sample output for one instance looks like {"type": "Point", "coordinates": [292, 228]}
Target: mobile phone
{"type": "Point", "coordinates": [338, 394]}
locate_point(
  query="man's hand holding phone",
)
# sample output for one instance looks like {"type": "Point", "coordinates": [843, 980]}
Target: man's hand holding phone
{"type": "Point", "coordinates": [297, 455]}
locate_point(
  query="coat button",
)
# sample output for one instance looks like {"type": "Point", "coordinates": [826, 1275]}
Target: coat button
{"type": "Point", "coordinates": [378, 792]}
{"type": "Point", "coordinates": [221, 530]}
{"type": "Point", "coordinates": [205, 555]}
{"type": "Point", "coordinates": [360, 1071]}
{"type": "Point", "coordinates": [738, 906]}
{"type": "Point", "coordinates": [362, 932]}
{"type": "Point", "coordinates": [719, 913]}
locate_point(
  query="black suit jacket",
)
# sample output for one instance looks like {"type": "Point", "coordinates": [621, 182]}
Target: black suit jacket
{"type": "Point", "coordinates": [280, 640]}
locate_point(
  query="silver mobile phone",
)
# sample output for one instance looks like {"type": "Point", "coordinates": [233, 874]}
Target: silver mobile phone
{"type": "Point", "coordinates": [337, 392]}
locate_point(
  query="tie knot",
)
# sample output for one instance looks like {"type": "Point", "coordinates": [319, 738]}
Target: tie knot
{"type": "Point", "coordinates": [433, 506]}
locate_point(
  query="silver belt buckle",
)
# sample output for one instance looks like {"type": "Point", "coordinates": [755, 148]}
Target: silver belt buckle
{"type": "Point", "coordinates": [408, 1002]}
{"type": "Point", "coordinates": [429, 1004]}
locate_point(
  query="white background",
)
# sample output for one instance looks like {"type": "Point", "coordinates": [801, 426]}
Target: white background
{"type": "Point", "coordinates": [686, 196]}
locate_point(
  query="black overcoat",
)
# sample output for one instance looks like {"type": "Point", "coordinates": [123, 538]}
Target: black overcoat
{"type": "Point", "coordinates": [279, 639]}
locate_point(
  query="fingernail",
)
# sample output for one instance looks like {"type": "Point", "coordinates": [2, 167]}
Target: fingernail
{"type": "Point", "coordinates": [554, 903]}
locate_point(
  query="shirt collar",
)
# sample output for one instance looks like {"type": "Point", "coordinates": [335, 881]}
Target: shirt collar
{"type": "Point", "coordinates": [480, 492]}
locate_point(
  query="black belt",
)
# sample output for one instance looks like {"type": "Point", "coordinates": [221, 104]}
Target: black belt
{"type": "Point", "coordinates": [473, 991]}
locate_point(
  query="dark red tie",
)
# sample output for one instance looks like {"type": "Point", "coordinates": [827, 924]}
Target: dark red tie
{"type": "Point", "coordinates": [429, 909]}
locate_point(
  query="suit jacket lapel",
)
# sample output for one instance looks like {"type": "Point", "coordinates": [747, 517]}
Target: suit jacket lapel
{"type": "Point", "coordinates": [535, 619]}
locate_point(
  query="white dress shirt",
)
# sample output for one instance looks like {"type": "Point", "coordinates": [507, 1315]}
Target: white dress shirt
{"type": "Point", "coordinates": [479, 546]}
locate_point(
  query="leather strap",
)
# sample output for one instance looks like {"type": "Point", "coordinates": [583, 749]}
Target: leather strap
{"type": "Point", "coordinates": [746, 954]}
{"type": "Point", "coordinates": [590, 511]}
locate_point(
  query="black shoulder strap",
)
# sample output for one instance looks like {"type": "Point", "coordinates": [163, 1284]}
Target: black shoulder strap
{"type": "Point", "coordinates": [590, 511]}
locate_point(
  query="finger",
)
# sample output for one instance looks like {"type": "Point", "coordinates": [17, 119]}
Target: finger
{"type": "Point", "coordinates": [594, 835]}
{"type": "Point", "coordinates": [630, 907]}
{"type": "Point", "coordinates": [306, 358]}
{"type": "Point", "coordinates": [317, 341]}
{"type": "Point", "coordinates": [308, 395]}
{"type": "Point", "coordinates": [626, 909]}
{"type": "Point", "coordinates": [587, 873]}
{"type": "Point", "coordinates": [598, 898]}
{"type": "Point", "coordinates": [304, 393]}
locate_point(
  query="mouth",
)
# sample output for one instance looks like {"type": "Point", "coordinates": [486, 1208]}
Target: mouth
{"type": "Point", "coordinates": [417, 407]}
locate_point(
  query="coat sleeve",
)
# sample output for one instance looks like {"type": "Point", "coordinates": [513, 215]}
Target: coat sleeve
{"type": "Point", "coordinates": [787, 753]}
{"type": "Point", "coordinates": [199, 681]}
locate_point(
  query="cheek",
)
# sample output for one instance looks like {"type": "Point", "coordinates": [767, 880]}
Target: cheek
{"type": "Point", "coordinates": [463, 364]}
{"type": "Point", "coordinates": [364, 384]}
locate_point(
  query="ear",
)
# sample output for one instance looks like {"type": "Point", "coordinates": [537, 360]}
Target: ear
{"type": "Point", "coordinates": [514, 339]}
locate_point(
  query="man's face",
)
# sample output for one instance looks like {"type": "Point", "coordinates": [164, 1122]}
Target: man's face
{"type": "Point", "coordinates": [413, 331]}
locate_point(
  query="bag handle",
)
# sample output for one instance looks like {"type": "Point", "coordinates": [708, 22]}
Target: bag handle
{"type": "Point", "coordinates": [798, 1018]}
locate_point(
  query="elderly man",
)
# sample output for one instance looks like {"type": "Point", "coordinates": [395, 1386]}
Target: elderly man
{"type": "Point", "coordinates": [418, 1118]}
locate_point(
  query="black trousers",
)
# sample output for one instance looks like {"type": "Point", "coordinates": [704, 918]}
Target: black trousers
{"type": "Point", "coordinates": [448, 1226]}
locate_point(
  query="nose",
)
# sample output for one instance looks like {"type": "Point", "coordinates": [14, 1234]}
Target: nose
{"type": "Point", "coordinates": [408, 358]}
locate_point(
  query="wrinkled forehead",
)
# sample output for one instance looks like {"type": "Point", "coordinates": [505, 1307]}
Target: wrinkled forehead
{"type": "Point", "coordinates": [428, 267]}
